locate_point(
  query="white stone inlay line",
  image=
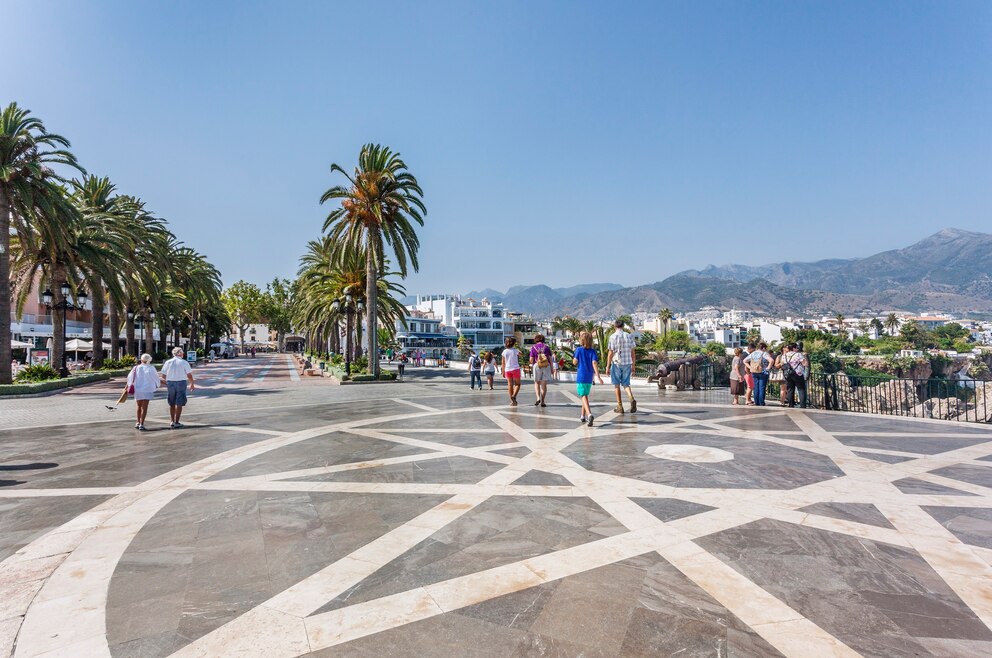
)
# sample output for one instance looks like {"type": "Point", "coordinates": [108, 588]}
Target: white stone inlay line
{"type": "Point", "coordinates": [291, 366]}
{"type": "Point", "coordinates": [79, 558]}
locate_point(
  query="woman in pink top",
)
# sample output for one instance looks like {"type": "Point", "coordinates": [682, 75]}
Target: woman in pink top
{"type": "Point", "coordinates": [511, 369]}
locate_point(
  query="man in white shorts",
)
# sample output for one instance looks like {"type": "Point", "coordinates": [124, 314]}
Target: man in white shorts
{"type": "Point", "coordinates": [177, 373]}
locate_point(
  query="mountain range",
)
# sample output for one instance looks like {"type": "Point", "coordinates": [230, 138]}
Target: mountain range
{"type": "Point", "coordinates": [948, 271]}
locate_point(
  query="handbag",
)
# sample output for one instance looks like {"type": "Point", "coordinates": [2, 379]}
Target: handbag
{"type": "Point", "coordinates": [130, 387]}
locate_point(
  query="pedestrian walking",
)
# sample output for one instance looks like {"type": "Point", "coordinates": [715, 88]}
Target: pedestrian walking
{"type": "Point", "coordinates": [490, 368]}
{"type": "Point", "coordinates": [474, 370]}
{"type": "Point", "coordinates": [511, 369]}
{"type": "Point", "coordinates": [556, 368]}
{"type": "Point", "coordinates": [178, 377]}
{"type": "Point", "coordinates": [142, 382]}
{"type": "Point", "coordinates": [758, 362]}
{"type": "Point", "coordinates": [620, 364]}
{"type": "Point", "coordinates": [587, 366]}
{"type": "Point", "coordinates": [401, 363]}
{"type": "Point", "coordinates": [541, 358]}
{"type": "Point", "coordinates": [737, 384]}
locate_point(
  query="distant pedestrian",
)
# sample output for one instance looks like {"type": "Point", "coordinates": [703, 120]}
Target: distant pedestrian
{"type": "Point", "coordinates": [401, 363]}
{"type": "Point", "coordinates": [555, 368]}
{"type": "Point", "coordinates": [540, 363]}
{"type": "Point", "coordinates": [474, 370]}
{"type": "Point", "coordinates": [511, 369]}
{"type": "Point", "coordinates": [253, 352]}
{"type": "Point", "coordinates": [620, 363]}
{"type": "Point", "coordinates": [748, 377]}
{"type": "Point", "coordinates": [178, 377]}
{"type": "Point", "coordinates": [145, 380]}
{"type": "Point", "coordinates": [587, 366]}
{"type": "Point", "coordinates": [490, 368]}
{"type": "Point", "coordinates": [775, 374]}
{"type": "Point", "coordinates": [737, 383]}
{"type": "Point", "coordinates": [758, 362]}
{"type": "Point", "coordinates": [796, 369]}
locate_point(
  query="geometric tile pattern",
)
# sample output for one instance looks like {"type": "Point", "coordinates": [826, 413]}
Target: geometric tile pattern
{"type": "Point", "coordinates": [458, 526]}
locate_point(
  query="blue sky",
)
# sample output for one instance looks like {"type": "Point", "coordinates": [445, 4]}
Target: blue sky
{"type": "Point", "coordinates": [557, 142]}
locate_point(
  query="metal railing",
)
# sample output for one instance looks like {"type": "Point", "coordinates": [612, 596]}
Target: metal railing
{"type": "Point", "coordinates": [962, 400]}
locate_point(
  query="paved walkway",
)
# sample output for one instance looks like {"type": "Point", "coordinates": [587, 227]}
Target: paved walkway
{"type": "Point", "coordinates": [424, 519]}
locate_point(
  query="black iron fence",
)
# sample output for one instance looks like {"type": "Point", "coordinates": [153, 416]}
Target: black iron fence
{"type": "Point", "coordinates": [963, 400]}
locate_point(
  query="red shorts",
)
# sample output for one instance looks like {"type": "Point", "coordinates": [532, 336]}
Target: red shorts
{"type": "Point", "coordinates": [749, 379]}
{"type": "Point", "coordinates": [512, 374]}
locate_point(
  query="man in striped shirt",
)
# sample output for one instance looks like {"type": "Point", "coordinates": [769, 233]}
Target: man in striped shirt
{"type": "Point", "coordinates": [620, 363]}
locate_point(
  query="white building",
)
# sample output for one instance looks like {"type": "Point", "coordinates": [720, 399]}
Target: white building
{"type": "Point", "coordinates": [254, 333]}
{"type": "Point", "coordinates": [479, 321]}
{"type": "Point", "coordinates": [426, 333]}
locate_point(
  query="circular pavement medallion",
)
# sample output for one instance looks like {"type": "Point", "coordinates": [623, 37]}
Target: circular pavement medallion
{"type": "Point", "coordinates": [687, 453]}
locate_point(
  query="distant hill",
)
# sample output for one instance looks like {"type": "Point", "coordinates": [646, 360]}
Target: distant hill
{"type": "Point", "coordinates": [539, 300]}
{"type": "Point", "coordinates": [950, 270]}
{"type": "Point", "coordinates": [949, 261]}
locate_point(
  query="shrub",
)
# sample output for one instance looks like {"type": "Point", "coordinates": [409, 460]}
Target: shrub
{"type": "Point", "coordinates": [39, 373]}
{"type": "Point", "coordinates": [125, 362]}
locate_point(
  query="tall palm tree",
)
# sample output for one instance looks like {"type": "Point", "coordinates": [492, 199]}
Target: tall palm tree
{"type": "Point", "coordinates": [105, 220]}
{"type": "Point", "coordinates": [324, 276]}
{"type": "Point", "coordinates": [665, 315]}
{"type": "Point", "coordinates": [29, 193]}
{"type": "Point", "coordinates": [378, 208]}
{"type": "Point", "coordinates": [91, 256]}
{"type": "Point", "coordinates": [892, 323]}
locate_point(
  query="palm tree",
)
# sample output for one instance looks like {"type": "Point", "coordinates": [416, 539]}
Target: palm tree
{"type": "Point", "coordinates": [892, 323]}
{"type": "Point", "coordinates": [106, 220]}
{"type": "Point", "coordinates": [665, 315]}
{"type": "Point", "coordinates": [877, 325]}
{"type": "Point", "coordinates": [93, 254]}
{"type": "Point", "coordinates": [29, 195]}
{"type": "Point", "coordinates": [325, 275]}
{"type": "Point", "coordinates": [378, 208]}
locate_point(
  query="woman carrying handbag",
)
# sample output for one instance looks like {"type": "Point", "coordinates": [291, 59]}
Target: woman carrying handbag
{"type": "Point", "coordinates": [142, 382]}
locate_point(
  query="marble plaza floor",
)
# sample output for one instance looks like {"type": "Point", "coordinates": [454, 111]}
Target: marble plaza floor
{"type": "Point", "coordinates": [292, 517]}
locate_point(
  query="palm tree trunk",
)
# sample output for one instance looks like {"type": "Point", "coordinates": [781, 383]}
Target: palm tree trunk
{"type": "Point", "coordinates": [129, 335]}
{"type": "Point", "coordinates": [58, 319]}
{"type": "Point", "coordinates": [115, 329]}
{"type": "Point", "coordinates": [5, 301]}
{"type": "Point", "coordinates": [371, 295]}
{"type": "Point", "coordinates": [149, 336]}
{"type": "Point", "coordinates": [97, 323]}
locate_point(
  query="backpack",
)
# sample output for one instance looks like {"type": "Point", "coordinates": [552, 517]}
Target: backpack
{"type": "Point", "coordinates": [542, 360]}
{"type": "Point", "coordinates": [476, 362]}
{"type": "Point", "coordinates": [756, 366]}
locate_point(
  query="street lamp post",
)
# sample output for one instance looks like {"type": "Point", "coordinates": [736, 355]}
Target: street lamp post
{"type": "Point", "coordinates": [65, 306]}
{"type": "Point", "coordinates": [139, 320]}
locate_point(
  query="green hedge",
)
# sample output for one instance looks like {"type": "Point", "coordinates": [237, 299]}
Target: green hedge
{"type": "Point", "coordinates": [56, 384]}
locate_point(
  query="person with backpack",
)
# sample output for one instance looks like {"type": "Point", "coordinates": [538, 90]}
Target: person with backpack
{"type": "Point", "coordinates": [795, 366]}
{"type": "Point", "coordinates": [540, 363]}
{"type": "Point", "coordinates": [474, 370]}
{"type": "Point", "coordinates": [758, 363]}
